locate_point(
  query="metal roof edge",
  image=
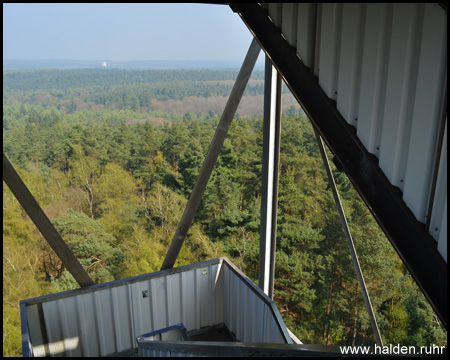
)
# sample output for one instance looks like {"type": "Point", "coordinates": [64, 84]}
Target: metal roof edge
{"type": "Point", "coordinates": [114, 283]}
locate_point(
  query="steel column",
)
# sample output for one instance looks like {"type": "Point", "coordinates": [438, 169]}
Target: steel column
{"type": "Point", "coordinates": [213, 154]}
{"type": "Point", "coordinates": [42, 222]}
{"type": "Point", "coordinates": [270, 174]}
{"type": "Point", "coordinates": [415, 247]}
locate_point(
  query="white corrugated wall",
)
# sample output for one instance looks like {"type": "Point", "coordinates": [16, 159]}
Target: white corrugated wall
{"type": "Point", "coordinates": [385, 65]}
{"type": "Point", "coordinates": [245, 313]}
{"type": "Point", "coordinates": [108, 318]}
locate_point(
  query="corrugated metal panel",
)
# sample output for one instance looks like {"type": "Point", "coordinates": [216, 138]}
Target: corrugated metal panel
{"type": "Point", "coordinates": [248, 313]}
{"type": "Point", "coordinates": [385, 65]}
{"type": "Point", "coordinates": [289, 17]}
{"type": "Point", "coordinates": [373, 75]}
{"type": "Point", "coordinates": [350, 61]}
{"type": "Point", "coordinates": [27, 347]}
{"type": "Point", "coordinates": [438, 223]}
{"type": "Point", "coordinates": [306, 33]}
{"type": "Point", "coordinates": [426, 110]}
{"type": "Point", "coordinates": [106, 319]}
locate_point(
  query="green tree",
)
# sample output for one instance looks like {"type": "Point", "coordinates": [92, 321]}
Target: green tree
{"type": "Point", "coordinates": [85, 172]}
{"type": "Point", "coordinates": [144, 151]}
{"type": "Point", "coordinates": [93, 246]}
{"type": "Point", "coordinates": [22, 275]}
{"type": "Point", "coordinates": [118, 201]}
{"type": "Point", "coordinates": [189, 166]}
{"type": "Point", "coordinates": [175, 143]}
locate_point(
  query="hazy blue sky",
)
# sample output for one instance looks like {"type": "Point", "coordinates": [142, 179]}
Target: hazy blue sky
{"type": "Point", "coordinates": [123, 32]}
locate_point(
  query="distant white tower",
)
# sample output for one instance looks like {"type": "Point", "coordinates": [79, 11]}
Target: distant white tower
{"type": "Point", "coordinates": [103, 63]}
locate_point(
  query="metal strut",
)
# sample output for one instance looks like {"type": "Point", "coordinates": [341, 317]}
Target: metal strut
{"type": "Point", "coordinates": [270, 174]}
{"type": "Point", "coordinates": [350, 243]}
{"type": "Point", "coordinates": [213, 154]}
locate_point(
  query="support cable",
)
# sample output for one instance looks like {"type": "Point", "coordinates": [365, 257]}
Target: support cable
{"type": "Point", "coordinates": [213, 154]}
{"type": "Point", "coordinates": [43, 223]}
{"type": "Point", "coordinates": [350, 243]}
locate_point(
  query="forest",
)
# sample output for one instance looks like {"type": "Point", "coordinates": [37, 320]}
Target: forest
{"type": "Point", "coordinates": [112, 156]}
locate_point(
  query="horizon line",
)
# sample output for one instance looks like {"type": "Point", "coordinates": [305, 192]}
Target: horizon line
{"type": "Point", "coordinates": [112, 60]}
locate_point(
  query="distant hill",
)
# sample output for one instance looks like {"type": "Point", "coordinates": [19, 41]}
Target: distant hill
{"type": "Point", "coordinates": [10, 64]}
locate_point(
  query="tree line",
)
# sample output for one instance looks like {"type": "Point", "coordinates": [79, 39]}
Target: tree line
{"type": "Point", "coordinates": [123, 89]}
{"type": "Point", "coordinates": [116, 192]}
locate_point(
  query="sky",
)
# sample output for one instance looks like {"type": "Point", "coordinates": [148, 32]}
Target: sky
{"type": "Point", "coordinates": [123, 32]}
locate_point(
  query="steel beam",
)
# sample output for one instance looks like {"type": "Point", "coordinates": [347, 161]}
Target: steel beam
{"type": "Point", "coordinates": [213, 154]}
{"type": "Point", "coordinates": [269, 186]}
{"type": "Point", "coordinates": [415, 247]}
{"type": "Point", "coordinates": [42, 222]}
